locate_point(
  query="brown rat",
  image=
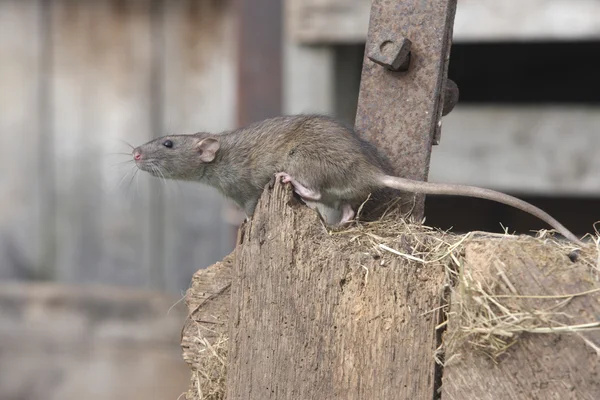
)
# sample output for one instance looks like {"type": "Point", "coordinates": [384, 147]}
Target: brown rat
{"type": "Point", "coordinates": [329, 165]}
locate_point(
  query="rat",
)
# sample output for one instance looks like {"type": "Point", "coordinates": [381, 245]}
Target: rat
{"type": "Point", "coordinates": [329, 166]}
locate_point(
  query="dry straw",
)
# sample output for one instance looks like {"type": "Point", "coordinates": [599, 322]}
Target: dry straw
{"type": "Point", "coordinates": [209, 379]}
{"type": "Point", "coordinates": [488, 313]}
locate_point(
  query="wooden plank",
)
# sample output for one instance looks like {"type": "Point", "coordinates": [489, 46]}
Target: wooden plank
{"type": "Point", "coordinates": [98, 342]}
{"type": "Point", "coordinates": [309, 73]}
{"type": "Point", "coordinates": [101, 90]}
{"type": "Point", "coordinates": [309, 79]}
{"type": "Point", "coordinates": [199, 95]}
{"type": "Point", "coordinates": [538, 365]}
{"type": "Point", "coordinates": [313, 318]}
{"type": "Point", "coordinates": [517, 149]}
{"type": "Point", "coordinates": [346, 21]}
{"type": "Point", "coordinates": [327, 21]}
{"type": "Point", "coordinates": [259, 73]}
{"type": "Point", "coordinates": [491, 20]}
{"type": "Point", "coordinates": [21, 190]}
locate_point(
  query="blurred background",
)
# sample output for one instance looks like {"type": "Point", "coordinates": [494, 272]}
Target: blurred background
{"type": "Point", "coordinates": [93, 260]}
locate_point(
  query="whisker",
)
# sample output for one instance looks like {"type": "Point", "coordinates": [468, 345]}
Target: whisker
{"type": "Point", "coordinates": [167, 181]}
{"type": "Point", "coordinates": [155, 172]}
{"type": "Point", "coordinates": [163, 178]}
{"type": "Point", "coordinates": [123, 179]}
{"type": "Point", "coordinates": [159, 171]}
{"type": "Point", "coordinates": [127, 143]}
{"type": "Point", "coordinates": [137, 184]}
{"type": "Point", "coordinates": [120, 163]}
{"type": "Point", "coordinates": [133, 177]}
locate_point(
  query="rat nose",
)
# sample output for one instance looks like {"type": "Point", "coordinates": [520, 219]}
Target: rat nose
{"type": "Point", "coordinates": [137, 155]}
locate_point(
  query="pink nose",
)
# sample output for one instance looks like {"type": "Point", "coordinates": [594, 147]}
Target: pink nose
{"type": "Point", "coordinates": [137, 155]}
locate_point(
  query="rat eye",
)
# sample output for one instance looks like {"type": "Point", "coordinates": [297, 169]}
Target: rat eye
{"type": "Point", "coordinates": [168, 143]}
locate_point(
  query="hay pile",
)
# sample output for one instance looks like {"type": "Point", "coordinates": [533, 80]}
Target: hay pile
{"type": "Point", "coordinates": [487, 311]}
{"type": "Point", "coordinates": [204, 335]}
{"type": "Point", "coordinates": [209, 380]}
{"type": "Point", "coordinates": [493, 303]}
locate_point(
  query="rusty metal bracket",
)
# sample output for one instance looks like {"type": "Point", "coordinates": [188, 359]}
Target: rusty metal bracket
{"type": "Point", "coordinates": [404, 90]}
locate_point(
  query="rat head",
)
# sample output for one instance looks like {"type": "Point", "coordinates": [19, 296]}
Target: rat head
{"type": "Point", "coordinates": [182, 157]}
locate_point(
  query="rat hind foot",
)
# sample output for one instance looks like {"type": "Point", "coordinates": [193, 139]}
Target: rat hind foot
{"type": "Point", "coordinates": [347, 214]}
{"type": "Point", "coordinates": [283, 177]}
{"type": "Point", "coordinates": [304, 192]}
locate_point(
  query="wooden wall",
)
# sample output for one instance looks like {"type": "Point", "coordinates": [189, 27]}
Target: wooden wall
{"type": "Point", "coordinates": [77, 79]}
{"type": "Point", "coordinates": [347, 21]}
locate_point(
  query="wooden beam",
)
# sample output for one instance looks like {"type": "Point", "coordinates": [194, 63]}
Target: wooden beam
{"type": "Point", "coordinates": [259, 59]}
{"type": "Point", "coordinates": [534, 150]}
{"type": "Point", "coordinates": [346, 21]}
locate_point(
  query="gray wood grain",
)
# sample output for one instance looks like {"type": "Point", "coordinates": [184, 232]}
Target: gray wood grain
{"type": "Point", "coordinates": [78, 79]}
{"type": "Point", "coordinates": [544, 150]}
{"type": "Point", "coordinates": [538, 366]}
{"type": "Point", "coordinates": [346, 21]}
{"type": "Point", "coordinates": [22, 136]}
{"type": "Point", "coordinates": [311, 320]}
{"type": "Point", "coordinates": [101, 81]}
{"type": "Point", "coordinates": [198, 96]}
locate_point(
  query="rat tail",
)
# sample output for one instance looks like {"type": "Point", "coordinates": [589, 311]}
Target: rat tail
{"type": "Point", "coordinates": [408, 185]}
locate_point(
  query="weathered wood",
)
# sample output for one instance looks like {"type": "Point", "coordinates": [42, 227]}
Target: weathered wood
{"type": "Point", "coordinates": [21, 191]}
{"type": "Point", "coordinates": [60, 342]}
{"type": "Point", "coordinates": [311, 320]}
{"type": "Point", "coordinates": [199, 90]}
{"type": "Point", "coordinates": [309, 79]}
{"type": "Point", "coordinates": [538, 366]}
{"type": "Point", "coordinates": [259, 72]}
{"type": "Point", "coordinates": [327, 21]}
{"type": "Point", "coordinates": [100, 75]}
{"type": "Point", "coordinates": [208, 301]}
{"type": "Point", "coordinates": [80, 77]}
{"type": "Point", "coordinates": [536, 150]}
{"type": "Point", "coordinates": [313, 315]}
{"type": "Point", "coordinates": [346, 21]}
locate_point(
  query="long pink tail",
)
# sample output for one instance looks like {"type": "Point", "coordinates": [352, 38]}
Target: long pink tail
{"type": "Point", "coordinates": [408, 185]}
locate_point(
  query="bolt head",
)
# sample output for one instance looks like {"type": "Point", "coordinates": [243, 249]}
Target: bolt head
{"type": "Point", "coordinates": [391, 54]}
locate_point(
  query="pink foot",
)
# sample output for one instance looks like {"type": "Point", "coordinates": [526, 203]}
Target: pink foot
{"type": "Point", "coordinates": [303, 191]}
{"type": "Point", "coordinates": [347, 214]}
{"type": "Point", "coordinates": [283, 177]}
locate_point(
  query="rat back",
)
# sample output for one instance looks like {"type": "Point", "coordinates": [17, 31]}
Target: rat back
{"type": "Point", "coordinates": [332, 159]}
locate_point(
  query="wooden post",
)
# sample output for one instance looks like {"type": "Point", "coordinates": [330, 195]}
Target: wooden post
{"type": "Point", "coordinates": [312, 319]}
{"type": "Point", "coordinates": [259, 36]}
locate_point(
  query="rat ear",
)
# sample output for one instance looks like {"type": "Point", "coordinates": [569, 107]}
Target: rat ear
{"type": "Point", "coordinates": [207, 149]}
